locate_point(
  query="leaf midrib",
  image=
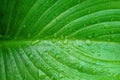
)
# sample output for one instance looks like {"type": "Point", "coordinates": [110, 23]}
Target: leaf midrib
{"type": "Point", "coordinates": [33, 42]}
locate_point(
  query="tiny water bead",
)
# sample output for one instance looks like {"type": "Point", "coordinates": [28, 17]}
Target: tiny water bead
{"type": "Point", "coordinates": [65, 41]}
{"type": "Point", "coordinates": [34, 42]}
{"type": "Point", "coordinates": [41, 74]}
{"type": "Point", "coordinates": [55, 35]}
{"type": "Point", "coordinates": [31, 56]}
{"type": "Point", "coordinates": [88, 42]}
{"type": "Point", "coordinates": [106, 26]}
{"type": "Point", "coordinates": [24, 26]}
{"type": "Point", "coordinates": [90, 36]}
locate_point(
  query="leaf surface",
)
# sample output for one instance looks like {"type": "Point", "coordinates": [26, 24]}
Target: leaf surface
{"type": "Point", "coordinates": [59, 39]}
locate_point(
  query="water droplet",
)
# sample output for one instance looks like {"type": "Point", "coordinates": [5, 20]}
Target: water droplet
{"type": "Point", "coordinates": [49, 68]}
{"type": "Point", "coordinates": [106, 26]}
{"type": "Point", "coordinates": [94, 71]}
{"type": "Point", "coordinates": [89, 36]}
{"type": "Point", "coordinates": [89, 12]}
{"type": "Point", "coordinates": [112, 19]}
{"type": "Point", "coordinates": [80, 67]}
{"type": "Point", "coordinates": [65, 41]}
{"type": "Point", "coordinates": [95, 35]}
{"type": "Point", "coordinates": [112, 32]}
{"type": "Point", "coordinates": [57, 56]}
{"type": "Point", "coordinates": [88, 42]}
{"type": "Point", "coordinates": [61, 75]}
{"type": "Point", "coordinates": [73, 38]}
{"type": "Point", "coordinates": [31, 56]}
{"type": "Point", "coordinates": [56, 68]}
{"type": "Point", "coordinates": [41, 74]}
{"type": "Point", "coordinates": [54, 40]}
{"type": "Point", "coordinates": [24, 26]}
{"type": "Point", "coordinates": [55, 35]}
{"type": "Point", "coordinates": [34, 42]}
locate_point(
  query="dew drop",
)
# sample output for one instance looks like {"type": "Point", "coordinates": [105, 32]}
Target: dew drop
{"type": "Point", "coordinates": [88, 42]}
{"type": "Point", "coordinates": [31, 56]}
{"type": "Point", "coordinates": [34, 42]}
{"type": "Point", "coordinates": [57, 56]}
{"type": "Point", "coordinates": [54, 40]}
{"type": "Point", "coordinates": [89, 36]}
{"type": "Point", "coordinates": [80, 67]}
{"type": "Point", "coordinates": [65, 41]}
{"type": "Point", "coordinates": [49, 68]}
{"type": "Point", "coordinates": [89, 12]}
{"type": "Point", "coordinates": [73, 38]}
{"type": "Point", "coordinates": [61, 75]}
{"type": "Point", "coordinates": [41, 74]}
{"type": "Point", "coordinates": [112, 19]}
{"type": "Point", "coordinates": [24, 26]}
{"type": "Point", "coordinates": [56, 68]}
{"type": "Point", "coordinates": [112, 31]}
{"type": "Point", "coordinates": [94, 71]}
{"type": "Point", "coordinates": [55, 35]}
{"type": "Point", "coordinates": [106, 26]}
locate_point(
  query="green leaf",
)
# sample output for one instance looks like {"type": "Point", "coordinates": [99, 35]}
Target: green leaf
{"type": "Point", "coordinates": [59, 39]}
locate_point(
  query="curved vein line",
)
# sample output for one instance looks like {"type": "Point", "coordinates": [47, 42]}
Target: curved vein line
{"type": "Point", "coordinates": [55, 18]}
{"type": "Point", "coordinates": [8, 26]}
{"type": "Point", "coordinates": [93, 58]}
{"type": "Point", "coordinates": [44, 59]}
{"type": "Point", "coordinates": [58, 62]}
{"type": "Point", "coordinates": [4, 65]}
{"type": "Point", "coordinates": [26, 16]}
{"type": "Point", "coordinates": [45, 12]}
{"type": "Point", "coordinates": [26, 61]}
{"type": "Point", "coordinates": [91, 26]}
{"type": "Point", "coordinates": [82, 17]}
{"type": "Point", "coordinates": [107, 34]}
{"type": "Point", "coordinates": [34, 64]}
{"type": "Point", "coordinates": [77, 59]}
{"type": "Point", "coordinates": [25, 65]}
{"type": "Point", "coordinates": [15, 63]}
{"type": "Point", "coordinates": [64, 13]}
